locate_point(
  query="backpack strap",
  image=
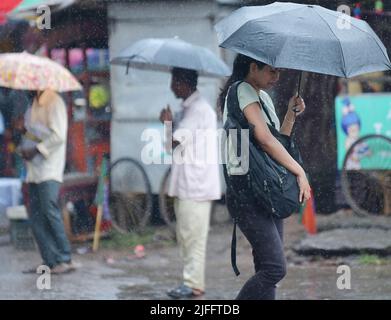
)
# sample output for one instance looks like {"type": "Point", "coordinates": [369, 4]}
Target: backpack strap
{"type": "Point", "coordinates": [234, 113]}
{"type": "Point", "coordinates": [233, 108]}
{"type": "Point", "coordinates": [267, 112]}
{"type": "Point", "coordinates": [233, 249]}
{"type": "Point", "coordinates": [233, 240]}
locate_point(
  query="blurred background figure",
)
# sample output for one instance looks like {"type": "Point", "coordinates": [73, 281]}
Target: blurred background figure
{"type": "Point", "coordinates": [195, 182]}
{"type": "Point", "coordinates": [44, 149]}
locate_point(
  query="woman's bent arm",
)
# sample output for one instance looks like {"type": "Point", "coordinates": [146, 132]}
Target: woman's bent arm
{"type": "Point", "coordinates": [268, 142]}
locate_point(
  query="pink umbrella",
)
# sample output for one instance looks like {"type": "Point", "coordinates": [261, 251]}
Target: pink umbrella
{"type": "Point", "coordinates": [25, 71]}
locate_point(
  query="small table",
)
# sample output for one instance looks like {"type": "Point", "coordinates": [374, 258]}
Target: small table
{"type": "Point", "coordinates": [10, 196]}
{"type": "Point", "coordinates": [75, 187]}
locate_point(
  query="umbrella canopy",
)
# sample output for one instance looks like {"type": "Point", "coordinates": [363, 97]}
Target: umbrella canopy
{"type": "Point", "coordinates": [25, 71]}
{"type": "Point", "coordinates": [304, 37]}
{"type": "Point", "coordinates": [164, 54]}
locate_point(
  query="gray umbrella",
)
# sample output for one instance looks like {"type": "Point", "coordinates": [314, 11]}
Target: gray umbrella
{"type": "Point", "coordinates": [304, 37]}
{"type": "Point", "coordinates": [163, 54]}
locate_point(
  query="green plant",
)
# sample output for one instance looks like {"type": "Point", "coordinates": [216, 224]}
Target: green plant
{"type": "Point", "coordinates": [118, 240]}
{"type": "Point", "coordinates": [371, 259]}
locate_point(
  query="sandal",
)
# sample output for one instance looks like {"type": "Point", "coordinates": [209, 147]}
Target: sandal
{"type": "Point", "coordinates": [32, 269]}
{"type": "Point", "coordinates": [198, 292]}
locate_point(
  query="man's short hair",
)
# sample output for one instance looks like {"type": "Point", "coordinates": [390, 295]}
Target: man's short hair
{"type": "Point", "coordinates": [190, 77]}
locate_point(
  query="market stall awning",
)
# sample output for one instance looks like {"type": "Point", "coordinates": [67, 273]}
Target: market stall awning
{"type": "Point", "coordinates": [7, 6]}
{"type": "Point", "coordinates": [27, 9]}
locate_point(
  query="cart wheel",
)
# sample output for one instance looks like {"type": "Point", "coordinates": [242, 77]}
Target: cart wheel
{"type": "Point", "coordinates": [130, 196]}
{"type": "Point", "coordinates": [366, 175]}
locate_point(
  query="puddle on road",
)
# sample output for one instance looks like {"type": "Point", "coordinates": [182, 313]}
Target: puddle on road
{"type": "Point", "coordinates": [315, 282]}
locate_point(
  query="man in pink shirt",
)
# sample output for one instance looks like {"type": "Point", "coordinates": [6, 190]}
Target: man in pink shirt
{"type": "Point", "coordinates": [195, 178]}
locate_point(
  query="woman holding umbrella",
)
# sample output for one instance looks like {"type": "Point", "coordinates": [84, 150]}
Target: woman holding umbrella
{"type": "Point", "coordinates": [263, 231]}
{"type": "Point", "coordinates": [312, 39]}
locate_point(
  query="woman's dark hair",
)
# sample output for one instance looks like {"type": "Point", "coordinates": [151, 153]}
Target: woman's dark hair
{"type": "Point", "coordinates": [241, 67]}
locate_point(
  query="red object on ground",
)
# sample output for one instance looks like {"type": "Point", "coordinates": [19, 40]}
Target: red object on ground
{"type": "Point", "coordinates": [309, 216]}
{"type": "Point", "coordinates": [7, 6]}
{"type": "Point", "coordinates": [139, 251]}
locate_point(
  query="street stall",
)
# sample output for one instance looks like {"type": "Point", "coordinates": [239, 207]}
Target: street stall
{"type": "Point", "coordinates": [85, 54]}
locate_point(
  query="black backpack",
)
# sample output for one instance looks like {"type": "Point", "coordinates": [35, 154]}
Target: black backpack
{"type": "Point", "coordinates": [272, 186]}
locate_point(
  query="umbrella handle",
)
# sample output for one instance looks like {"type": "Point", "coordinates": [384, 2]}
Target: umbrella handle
{"type": "Point", "coordinates": [299, 85]}
{"type": "Point", "coordinates": [298, 95]}
{"type": "Point", "coordinates": [298, 91]}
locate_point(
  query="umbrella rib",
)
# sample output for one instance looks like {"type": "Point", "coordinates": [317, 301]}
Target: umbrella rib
{"type": "Point", "coordinates": [153, 54]}
{"type": "Point", "coordinates": [351, 24]}
{"type": "Point", "coordinates": [255, 19]}
{"type": "Point", "coordinates": [377, 43]}
{"type": "Point", "coordinates": [339, 42]}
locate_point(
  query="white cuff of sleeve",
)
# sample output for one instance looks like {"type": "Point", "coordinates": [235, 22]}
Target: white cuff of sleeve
{"type": "Point", "coordinates": [43, 150]}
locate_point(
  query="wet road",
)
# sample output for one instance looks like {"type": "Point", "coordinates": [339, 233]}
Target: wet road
{"type": "Point", "coordinates": [151, 276]}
